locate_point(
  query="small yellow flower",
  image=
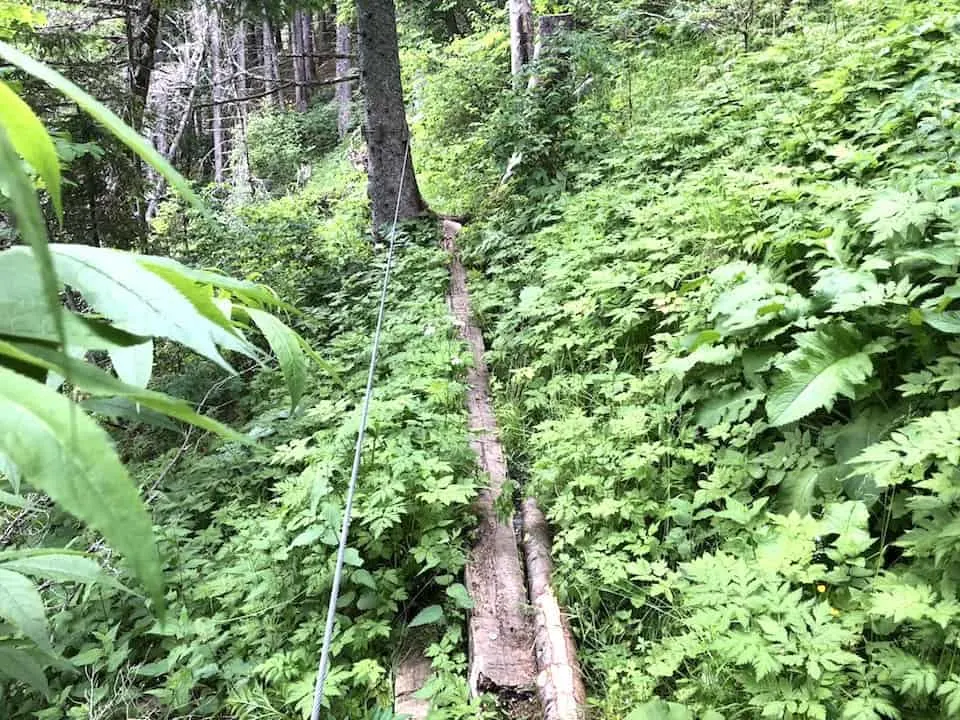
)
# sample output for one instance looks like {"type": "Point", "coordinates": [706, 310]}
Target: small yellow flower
{"type": "Point", "coordinates": [834, 612]}
{"type": "Point", "coordinates": [821, 588]}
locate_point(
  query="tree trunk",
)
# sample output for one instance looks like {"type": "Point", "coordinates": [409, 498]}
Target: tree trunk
{"type": "Point", "coordinates": [170, 153]}
{"type": "Point", "coordinates": [549, 29]}
{"type": "Point", "coordinates": [216, 81]}
{"type": "Point", "coordinates": [271, 61]}
{"type": "Point", "coordinates": [392, 183]}
{"type": "Point", "coordinates": [309, 61]}
{"type": "Point", "coordinates": [296, 50]}
{"type": "Point", "coordinates": [345, 89]}
{"type": "Point", "coordinates": [143, 38]}
{"type": "Point", "coordinates": [521, 34]}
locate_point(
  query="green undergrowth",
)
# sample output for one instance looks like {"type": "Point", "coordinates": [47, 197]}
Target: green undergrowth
{"type": "Point", "coordinates": [719, 292]}
{"type": "Point", "coordinates": [248, 536]}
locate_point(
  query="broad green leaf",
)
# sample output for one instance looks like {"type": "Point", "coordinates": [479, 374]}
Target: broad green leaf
{"type": "Point", "coordinates": [68, 456]}
{"type": "Point", "coordinates": [106, 117]}
{"type": "Point", "coordinates": [12, 500]}
{"type": "Point", "coordinates": [10, 471]}
{"type": "Point", "coordinates": [247, 291]}
{"type": "Point", "coordinates": [660, 710]}
{"type": "Point", "coordinates": [97, 382]}
{"type": "Point", "coordinates": [25, 314]}
{"type": "Point", "coordinates": [22, 666]}
{"type": "Point", "coordinates": [29, 220]}
{"type": "Point", "coordinates": [31, 140]}
{"type": "Point", "coordinates": [56, 565]}
{"type": "Point", "coordinates": [22, 606]}
{"type": "Point", "coordinates": [285, 344]}
{"type": "Point", "coordinates": [126, 409]}
{"type": "Point", "coordinates": [140, 302]}
{"type": "Point", "coordinates": [429, 615]}
{"type": "Point", "coordinates": [133, 365]}
{"type": "Point", "coordinates": [458, 593]}
{"type": "Point", "coordinates": [308, 536]}
{"type": "Point", "coordinates": [829, 362]}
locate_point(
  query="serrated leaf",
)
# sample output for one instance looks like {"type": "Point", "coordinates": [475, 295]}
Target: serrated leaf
{"type": "Point", "coordinates": [308, 536]}
{"type": "Point", "coordinates": [31, 141]}
{"type": "Point", "coordinates": [64, 453]}
{"type": "Point", "coordinates": [363, 577]}
{"type": "Point", "coordinates": [286, 345]}
{"type": "Point", "coordinates": [829, 362]}
{"type": "Point", "coordinates": [23, 667]}
{"type": "Point", "coordinates": [428, 616]}
{"type": "Point", "coordinates": [22, 607]}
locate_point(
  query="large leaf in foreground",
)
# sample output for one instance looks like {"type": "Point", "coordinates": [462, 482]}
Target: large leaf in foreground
{"type": "Point", "coordinates": [31, 141]}
{"type": "Point", "coordinates": [30, 223]}
{"type": "Point", "coordinates": [830, 362]}
{"type": "Point", "coordinates": [288, 348]}
{"type": "Point", "coordinates": [64, 453]}
{"type": "Point", "coordinates": [140, 301]}
{"type": "Point", "coordinates": [23, 666]}
{"type": "Point", "coordinates": [95, 381]}
{"type": "Point", "coordinates": [22, 607]}
{"type": "Point", "coordinates": [106, 117]}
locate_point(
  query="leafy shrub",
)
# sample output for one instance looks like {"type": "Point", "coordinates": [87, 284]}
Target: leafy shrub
{"type": "Point", "coordinates": [279, 142]}
{"type": "Point", "coordinates": [725, 357]}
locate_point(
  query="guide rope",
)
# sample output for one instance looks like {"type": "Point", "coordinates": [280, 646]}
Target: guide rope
{"type": "Point", "coordinates": [324, 667]}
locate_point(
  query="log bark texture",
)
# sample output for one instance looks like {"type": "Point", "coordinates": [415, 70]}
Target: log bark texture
{"type": "Point", "coordinates": [500, 628]}
{"type": "Point", "coordinates": [559, 681]}
{"type": "Point", "coordinates": [411, 674]}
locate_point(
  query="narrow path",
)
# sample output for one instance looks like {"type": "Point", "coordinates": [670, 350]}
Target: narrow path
{"type": "Point", "coordinates": [520, 645]}
{"type": "Point", "coordinates": [501, 625]}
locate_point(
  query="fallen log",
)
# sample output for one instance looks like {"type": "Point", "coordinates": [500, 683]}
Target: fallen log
{"type": "Point", "coordinates": [559, 682]}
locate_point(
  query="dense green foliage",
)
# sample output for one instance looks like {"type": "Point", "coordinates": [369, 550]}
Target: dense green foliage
{"type": "Point", "coordinates": [715, 254]}
{"type": "Point", "coordinates": [721, 313]}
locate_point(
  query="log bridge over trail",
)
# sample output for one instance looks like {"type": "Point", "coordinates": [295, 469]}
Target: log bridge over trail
{"type": "Point", "coordinates": [521, 648]}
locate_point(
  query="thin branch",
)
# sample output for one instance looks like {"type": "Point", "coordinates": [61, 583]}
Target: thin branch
{"type": "Point", "coordinates": [271, 91]}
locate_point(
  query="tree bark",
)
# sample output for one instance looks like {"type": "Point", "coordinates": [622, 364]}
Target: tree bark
{"type": "Point", "coordinates": [309, 52]}
{"type": "Point", "coordinates": [392, 183]}
{"type": "Point", "coordinates": [559, 682]}
{"type": "Point", "coordinates": [344, 94]}
{"type": "Point", "coordinates": [216, 81]}
{"type": "Point", "coordinates": [549, 29]}
{"type": "Point", "coordinates": [271, 61]}
{"type": "Point", "coordinates": [296, 49]}
{"type": "Point", "coordinates": [521, 34]}
{"type": "Point", "coordinates": [143, 46]}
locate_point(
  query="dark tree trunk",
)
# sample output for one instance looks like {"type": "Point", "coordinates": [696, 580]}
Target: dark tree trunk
{"type": "Point", "coordinates": [296, 52]}
{"type": "Point", "coordinates": [344, 89]}
{"type": "Point", "coordinates": [385, 120]}
{"type": "Point", "coordinates": [143, 33]}
{"type": "Point", "coordinates": [521, 34]}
